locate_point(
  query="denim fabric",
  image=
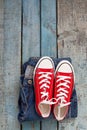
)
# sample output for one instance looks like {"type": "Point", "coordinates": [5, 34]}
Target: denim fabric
{"type": "Point", "coordinates": [26, 100]}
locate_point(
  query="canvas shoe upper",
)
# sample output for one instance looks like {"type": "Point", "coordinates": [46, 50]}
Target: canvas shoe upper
{"type": "Point", "coordinates": [43, 86]}
{"type": "Point", "coordinates": [64, 83]}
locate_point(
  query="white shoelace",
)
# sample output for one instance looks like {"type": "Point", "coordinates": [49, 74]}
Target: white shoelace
{"type": "Point", "coordinates": [62, 90]}
{"type": "Point", "coordinates": [46, 76]}
{"type": "Point", "coordinates": [44, 84]}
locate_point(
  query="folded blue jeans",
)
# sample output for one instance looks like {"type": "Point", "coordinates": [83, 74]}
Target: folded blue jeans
{"type": "Point", "coordinates": [26, 101]}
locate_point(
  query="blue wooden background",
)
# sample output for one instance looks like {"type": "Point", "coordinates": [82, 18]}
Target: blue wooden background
{"type": "Point", "coordinates": [28, 28]}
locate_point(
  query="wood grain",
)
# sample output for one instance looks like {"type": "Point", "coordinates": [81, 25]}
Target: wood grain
{"type": "Point", "coordinates": [48, 43]}
{"type": "Point", "coordinates": [48, 27]}
{"type": "Point", "coordinates": [31, 41]}
{"type": "Point", "coordinates": [31, 125]}
{"type": "Point", "coordinates": [11, 62]}
{"type": "Point", "coordinates": [31, 29]}
{"type": "Point", "coordinates": [72, 42]}
{"type": "Point", "coordinates": [2, 85]}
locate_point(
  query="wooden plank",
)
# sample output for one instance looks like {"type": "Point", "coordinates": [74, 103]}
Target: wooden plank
{"type": "Point", "coordinates": [31, 41]}
{"type": "Point", "coordinates": [31, 28]}
{"type": "Point", "coordinates": [31, 125]}
{"type": "Point", "coordinates": [2, 86]}
{"type": "Point", "coordinates": [48, 42]}
{"type": "Point", "coordinates": [11, 62]}
{"type": "Point", "coordinates": [72, 42]}
{"type": "Point", "coordinates": [48, 27]}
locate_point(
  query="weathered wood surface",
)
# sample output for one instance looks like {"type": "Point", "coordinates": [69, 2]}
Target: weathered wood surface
{"type": "Point", "coordinates": [72, 42]}
{"type": "Point", "coordinates": [10, 56]}
{"type": "Point", "coordinates": [29, 29]}
{"type": "Point", "coordinates": [2, 86]}
{"type": "Point", "coordinates": [48, 28]}
{"type": "Point", "coordinates": [31, 41]}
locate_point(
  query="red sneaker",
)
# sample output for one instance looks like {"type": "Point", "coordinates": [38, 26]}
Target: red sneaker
{"type": "Point", "coordinates": [43, 85]}
{"type": "Point", "coordinates": [64, 84]}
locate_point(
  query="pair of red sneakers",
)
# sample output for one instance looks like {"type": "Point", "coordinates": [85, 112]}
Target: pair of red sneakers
{"type": "Point", "coordinates": [53, 87]}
